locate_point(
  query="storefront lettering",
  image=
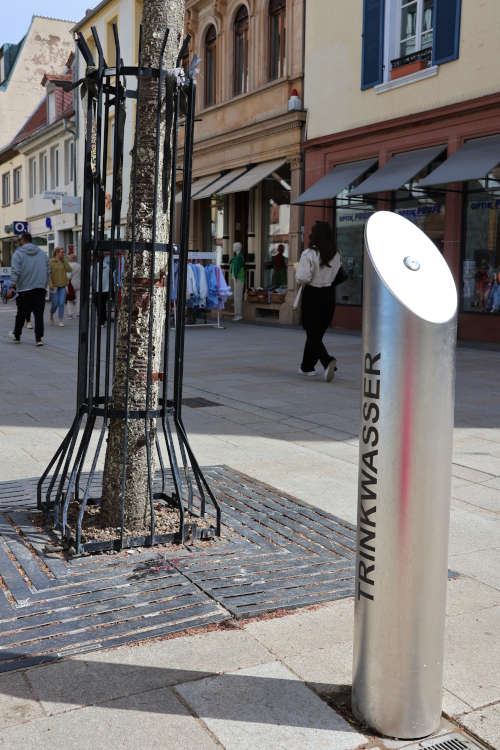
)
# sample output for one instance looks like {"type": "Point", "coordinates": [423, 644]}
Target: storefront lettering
{"type": "Point", "coordinates": [369, 478]}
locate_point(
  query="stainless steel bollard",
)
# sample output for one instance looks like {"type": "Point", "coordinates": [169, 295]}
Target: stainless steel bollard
{"type": "Point", "coordinates": [409, 334]}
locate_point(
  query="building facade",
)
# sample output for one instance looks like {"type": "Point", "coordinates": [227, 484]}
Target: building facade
{"type": "Point", "coordinates": [47, 143]}
{"type": "Point", "coordinates": [247, 165]}
{"type": "Point", "coordinates": [405, 117]}
{"type": "Point", "coordinates": [44, 49]}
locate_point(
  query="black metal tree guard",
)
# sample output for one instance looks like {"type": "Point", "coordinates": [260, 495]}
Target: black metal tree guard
{"type": "Point", "coordinates": [106, 92]}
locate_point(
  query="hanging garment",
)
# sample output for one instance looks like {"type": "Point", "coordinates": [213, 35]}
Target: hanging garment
{"type": "Point", "coordinates": [212, 287]}
{"type": "Point", "coordinates": [191, 288]}
{"type": "Point", "coordinates": [224, 291]}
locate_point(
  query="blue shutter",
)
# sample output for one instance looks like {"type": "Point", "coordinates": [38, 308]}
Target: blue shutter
{"type": "Point", "coordinates": [372, 67]}
{"type": "Point", "coordinates": [446, 30]}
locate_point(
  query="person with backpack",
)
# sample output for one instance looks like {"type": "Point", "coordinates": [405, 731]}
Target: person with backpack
{"type": "Point", "coordinates": [29, 278]}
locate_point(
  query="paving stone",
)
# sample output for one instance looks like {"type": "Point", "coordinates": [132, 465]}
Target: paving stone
{"type": "Point", "coordinates": [484, 723]}
{"type": "Point", "coordinates": [267, 707]}
{"type": "Point", "coordinates": [151, 719]}
{"type": "Point", "coordinates": [472, 673]}
{"type": "Point", "coordinates": [467, 595]}
{"type": "Point", "coordinates": [481, 565]}
{"type": "Point", "coordinates": [479, 495]}
{"type": "Point", "coordinates": [17, 703]}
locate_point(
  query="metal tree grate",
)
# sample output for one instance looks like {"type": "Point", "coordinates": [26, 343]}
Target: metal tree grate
{"type": "Point", "coordinates": [449, 742]}
{"type": "Point", "coordinates": [109, 99]}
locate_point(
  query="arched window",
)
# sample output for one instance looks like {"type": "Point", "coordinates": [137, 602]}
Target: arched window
{"type": "Point", "coordinates": [210, 65]}
{"type": "Point", "coordinates": [241, 51]}
{"type": "Point", "coordinates": [277, 39]}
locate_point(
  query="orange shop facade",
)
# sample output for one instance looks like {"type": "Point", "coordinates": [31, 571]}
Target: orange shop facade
{"type": "Point", "coordinates": [439, 169]}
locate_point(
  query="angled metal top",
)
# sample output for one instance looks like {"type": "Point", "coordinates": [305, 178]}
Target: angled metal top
{"type": "Point", "coordinates": [397, 171]}
{"type": "Point", "coordinates": [411, 266]}
{"type": "Point", "coordinates": [335, 181]}
{"type": "Point", "coordinates": [472, 161]}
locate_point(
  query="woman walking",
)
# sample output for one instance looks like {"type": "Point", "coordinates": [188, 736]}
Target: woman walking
{"type": "Point", "coordinates": [59, 268]}
{"type": "Point", "coordinates": [317, 271]}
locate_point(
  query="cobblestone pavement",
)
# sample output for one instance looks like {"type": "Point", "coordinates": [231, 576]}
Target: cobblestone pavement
{"type": "Point", "coordinates": [300, 437]}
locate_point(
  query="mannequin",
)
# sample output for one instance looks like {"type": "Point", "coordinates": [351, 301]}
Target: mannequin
{"type": "Point", "coordinates": [238, 274]}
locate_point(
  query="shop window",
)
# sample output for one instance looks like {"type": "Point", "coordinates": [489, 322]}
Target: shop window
{"type": "Point", "coordinates": [481, 255]}
{"type": "Point", "coordinates": [17, 180]}
{"type": "Point", "coordinates": [403, 36]}
{"type": "Point", "coordinates": [6, 189]}
{"type": "Point", "coordinates": [33, 178]}
{"type": "Point", "coordinates": [210, 65]}
{"type": "Point", "coordinates": [351, 216]}
{"type": "Point", "coordinates": [240, 73]}
{"type": "Point", "coordinates": [276, 228]}
{"type": "Point", "coordinates": [277, 39]}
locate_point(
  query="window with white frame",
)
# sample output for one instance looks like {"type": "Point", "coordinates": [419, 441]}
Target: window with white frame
{"type": "Point", "coordinates": [68, 161]}
{"type": "Point", "coordinates": [54, 167]}
{"type": "Point", "coordinates": [43, 172]}
{"type": "Point", "coordinates": [415, 26]}
{"type": "Point", "coordinates": [32, 178]}
{"type": "Point", "coordinates": [51, 106]}
{"type": "Point", "coordinates": [17, 180]}
{"type": "Point", "coordinates": [6, 189]}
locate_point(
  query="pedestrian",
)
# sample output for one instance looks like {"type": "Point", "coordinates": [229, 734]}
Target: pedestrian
{"type": "Point", "coordinates": [238, 274]}
{"type": "Point", "coordinates": [279, 267]}
{"type": "Point", "coordinates": [29, 277]}
{"type": "Point", "coordinates": [74, 304]}
{"type": "Point", "coordinates": [59, 268]}
{"type": "Point", "coordinates": [102, 294]}
{"type": "Point", "coordinates": [318, 273]}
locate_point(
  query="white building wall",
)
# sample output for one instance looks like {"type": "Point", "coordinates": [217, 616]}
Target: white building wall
{"type": "Point", "coordinates": [46, 48]}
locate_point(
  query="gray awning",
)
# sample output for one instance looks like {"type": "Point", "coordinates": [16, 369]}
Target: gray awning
{"type": "Point", "coordinates": [472, 161]}
{"type": "Point", "coordinates": [249, 179]}
{"type": "Point", "coordinates": [335, 181]}
{"type": "Point", "coordinates": [216, 187]}
{"type": "Point", "coordinates": [198, 185]}
{"type": "Point", "coordinates": [398, 171]}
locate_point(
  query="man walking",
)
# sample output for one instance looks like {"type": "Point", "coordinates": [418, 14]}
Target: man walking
{"type": "Point", "coordinates": [30, 276]}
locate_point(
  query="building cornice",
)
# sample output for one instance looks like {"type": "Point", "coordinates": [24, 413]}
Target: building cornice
{"type": "Point", "coordinates": [46, 134]}
{"type": "Point", "coordinates": [470, 107]}
{"type": "Point", "coordinates": [263, 128]}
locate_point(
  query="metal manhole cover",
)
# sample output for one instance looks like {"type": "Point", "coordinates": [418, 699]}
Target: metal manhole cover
{"type": "Point", "coordinates": [197, 402]}
{"type": "Point", "coordinates": [453, 741]}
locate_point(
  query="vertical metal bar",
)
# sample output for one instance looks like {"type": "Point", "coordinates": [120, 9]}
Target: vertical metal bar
{"type": "Point", "coordinates": [83, 325]}
{"type": "Point", "coordinates": [183, 250]}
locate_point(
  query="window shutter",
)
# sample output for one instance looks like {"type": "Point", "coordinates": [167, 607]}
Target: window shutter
{"type": "Point", "coordinates": [446, 30]}
{"type": "Point", "coordinates": [372, 71]}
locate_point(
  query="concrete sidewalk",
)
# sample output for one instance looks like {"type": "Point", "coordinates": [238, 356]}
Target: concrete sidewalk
{"type": "Point", "coordinates": [265, 684]}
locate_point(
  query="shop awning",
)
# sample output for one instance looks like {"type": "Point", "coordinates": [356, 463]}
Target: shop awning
{"type": "Point", "coordinates": [216, 187]}
{"type": "Point", "coordinates": [472, 161]}
{"type": "Point", "coordinates": [198, 185]}
{"type": "Point", "coordinates": [335, 181]}
{"type": "Point", "coordinates": [398, 171]}
{"type": "Point", "coordinates": [250, 179]}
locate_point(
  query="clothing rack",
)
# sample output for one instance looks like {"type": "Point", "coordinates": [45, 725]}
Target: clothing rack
{"type": "Point", "coordinates": [199, 255]}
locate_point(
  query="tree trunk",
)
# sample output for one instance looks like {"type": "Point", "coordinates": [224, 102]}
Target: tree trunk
{"type": "Point", "coordinates": [158, 15]}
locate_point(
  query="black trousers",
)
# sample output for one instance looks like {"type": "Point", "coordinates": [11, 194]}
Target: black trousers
{"type": "Point", "coordinates": [318, 306]}
{"type": "Point", "coordinates": [32, 301]}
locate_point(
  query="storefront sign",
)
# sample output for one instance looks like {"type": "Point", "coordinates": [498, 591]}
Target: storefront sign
{"type": "Point", "coordinates": [53, 194]}
{"type": "Point", "coordinates": [20, 227]}
{"type": "Point", "coordinates": [71, 204]}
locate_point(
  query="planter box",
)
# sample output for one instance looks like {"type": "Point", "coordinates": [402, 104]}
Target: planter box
{"type": "Point", "coordinates": [406, 70]}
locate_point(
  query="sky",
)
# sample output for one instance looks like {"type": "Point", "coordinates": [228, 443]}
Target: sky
{"type": "Point", "coordinates": [15, 15]}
